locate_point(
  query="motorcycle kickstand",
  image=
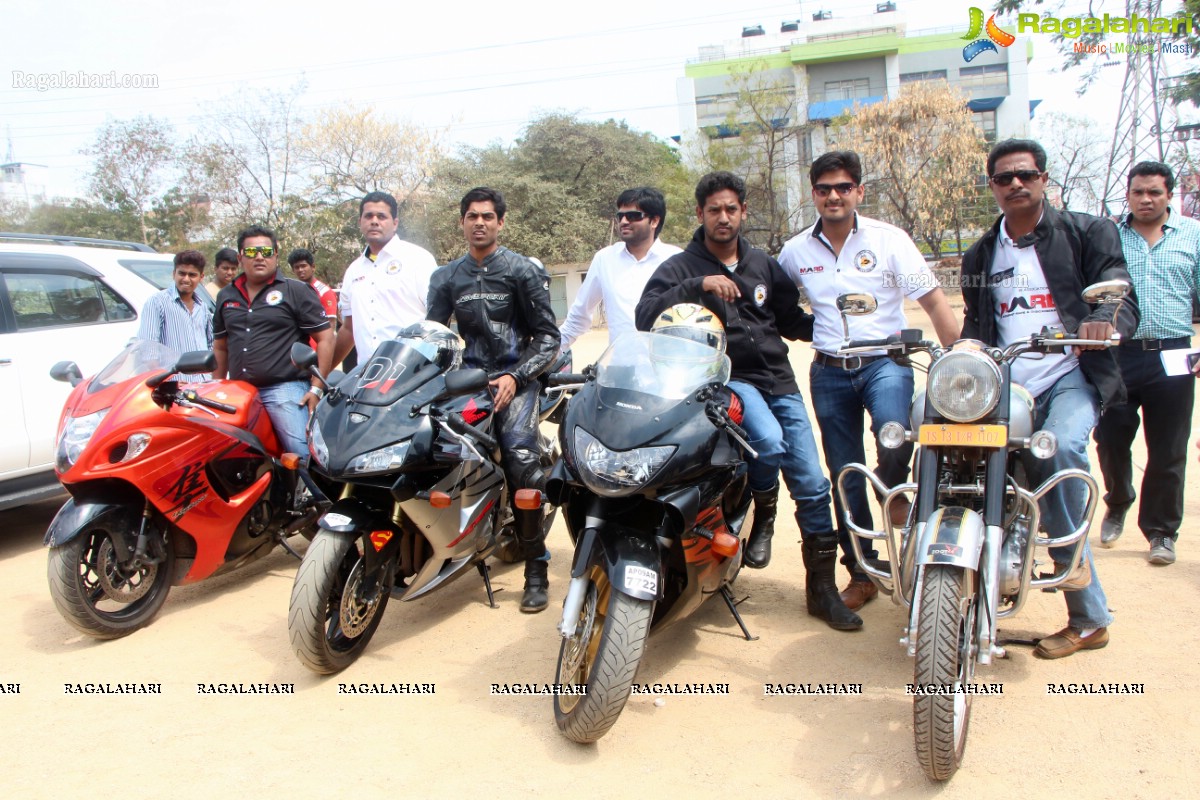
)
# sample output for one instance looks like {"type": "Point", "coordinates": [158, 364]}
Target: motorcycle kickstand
{"type": "Point", "coordinates": [284, 543]}
{"type": "Point", "coordinates": [487, 582]}
{"type": "Point", "coordinates": [727, 596]}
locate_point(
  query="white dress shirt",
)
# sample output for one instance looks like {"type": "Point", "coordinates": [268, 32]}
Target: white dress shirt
{"type": "Point", "coordinates": [386, 295]}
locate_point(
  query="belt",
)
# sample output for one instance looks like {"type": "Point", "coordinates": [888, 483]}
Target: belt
{"type": "Point", "coordinates": [1158, 344]}
{"type": "Point", "coordinates": [847, 363]}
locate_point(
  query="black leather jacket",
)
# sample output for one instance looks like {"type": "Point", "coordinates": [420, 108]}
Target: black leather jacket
{"type": "Point", "coordinates": [1075, 250]}
{"type": "Point", "coordinates": [503, 311]}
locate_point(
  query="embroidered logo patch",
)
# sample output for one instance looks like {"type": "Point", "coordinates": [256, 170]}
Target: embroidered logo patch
{"type": "Point", "coordinates": [274, 297]}
{"type": "Point", "coordinates": [393, 268]}
{"type": "Point", "coordinates": [865, 261]}
{"type": "Point", "coordinates": [760, 294]}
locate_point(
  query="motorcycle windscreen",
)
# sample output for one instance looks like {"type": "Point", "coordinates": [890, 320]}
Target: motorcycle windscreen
{"type": "Point", "coordinates": [396, 368]}
{"type": "Point", "coordinates": [140, 357]}
{"type": "Point", "coordinates": [660, 368]}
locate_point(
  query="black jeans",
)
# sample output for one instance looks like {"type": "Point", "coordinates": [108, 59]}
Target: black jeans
{"type": "Point", "coordinates": [1166, 404]}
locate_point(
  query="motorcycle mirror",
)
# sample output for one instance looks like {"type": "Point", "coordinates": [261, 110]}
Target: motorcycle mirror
{"type": "Point", "coordinates": [67, 372]}
{"type": "Point", "coordinates": [857, 305]}
{"type": "Point", "coordinates": [195, 362]}
{"type": "Point", "coordinates": [303, 356]}
{"type": "Point", "coordinates": [462, 382]}
{"type": "Point", "coordinates": [1106, 292]}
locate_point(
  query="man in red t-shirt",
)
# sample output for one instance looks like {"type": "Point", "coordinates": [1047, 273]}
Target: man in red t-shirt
{"type": "Point", "coordinates": [302, 263]}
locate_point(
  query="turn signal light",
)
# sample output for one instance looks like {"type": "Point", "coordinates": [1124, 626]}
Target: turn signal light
{"type": "Point", "coordinates": [528, 499]}
{"type": "Point", "coordinates": [439, 500]}
{"type": "Point", "coordinates": [289, 460]}
{"type": "Point", "coordinates": [725, 544]}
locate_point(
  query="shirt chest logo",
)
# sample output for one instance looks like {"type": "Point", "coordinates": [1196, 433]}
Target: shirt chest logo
{"type": "Point", "coordinates": [274, 297]}
{"type": "Point", "coordinates": [865, 261]}
{"type": "Point", "coordinates": [393, 268]}
{"type": "Point", "coordinates": [817, 270]}
{"type": "Point", "coordinates": [760, 294]}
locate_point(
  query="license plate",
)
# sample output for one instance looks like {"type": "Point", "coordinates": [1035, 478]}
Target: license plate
{"type": "Point", "coordinates": [964, 435]}
{"type": "Point", "coordinates": [640, 578]}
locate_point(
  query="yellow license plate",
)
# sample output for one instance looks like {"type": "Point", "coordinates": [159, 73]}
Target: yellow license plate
{"type": "Point", "coordinates": [964, 435]}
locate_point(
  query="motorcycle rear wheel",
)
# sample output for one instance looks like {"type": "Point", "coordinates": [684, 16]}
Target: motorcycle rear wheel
{"type": "Point", "coordinates": [329, 620]}
{"type": "Point", "coordinates": [603, 655]}
{"type": "Point", "coordinates": [99, 596]}
{"type": "Point", "coordinates": [946, 657]}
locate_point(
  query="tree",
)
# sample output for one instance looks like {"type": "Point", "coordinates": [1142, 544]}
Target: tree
{"type": "Point", "coordinates": [1077, 159]}
{"type": "Point", "coordinates": [767, 149]}
{"type": "Point", "coordinates": [922, 156]}
{"type": "Point", "coordinates": [132, 158]}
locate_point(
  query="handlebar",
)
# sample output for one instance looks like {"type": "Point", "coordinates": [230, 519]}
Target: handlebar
{"type": "Point", "coordinates": [455, 422]}
{"type": "Point", "coordinates": [191, 397]}
{"type": "Point", "coordinates": [564, 378]}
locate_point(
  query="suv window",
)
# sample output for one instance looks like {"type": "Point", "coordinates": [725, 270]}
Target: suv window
{"type": "Point", "coordinates": [52, 299]}
{"type": "Point", "coordinates": [157, 273]}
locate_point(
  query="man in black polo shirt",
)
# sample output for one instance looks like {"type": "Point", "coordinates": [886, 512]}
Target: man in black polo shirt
{"type": "Point", "coordinates": [259, 317]}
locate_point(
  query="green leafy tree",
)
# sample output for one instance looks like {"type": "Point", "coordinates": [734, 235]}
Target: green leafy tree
{"type": "Point", "coordinates": [132, 159]}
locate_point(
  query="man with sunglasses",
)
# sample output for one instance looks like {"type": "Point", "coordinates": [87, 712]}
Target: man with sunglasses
{"type": "Point", "coordinates": [1162, 249]}
{"type": "Point", "coordinates": [1026, 272]}
{"type": "Point", "coordinates": [259, 317]}
{"type": "Point", "coordinates": [619, 272]}
{"type": "Point", "coordinates": [758, 306]}
{"type": "Point", "coordinates": [847, 252]}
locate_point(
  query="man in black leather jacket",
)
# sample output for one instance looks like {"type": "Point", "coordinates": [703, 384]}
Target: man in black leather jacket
{"type": "Point", "coordinates": [1029, 271]}
{"type": "Point", "coordinates": [501, 302]}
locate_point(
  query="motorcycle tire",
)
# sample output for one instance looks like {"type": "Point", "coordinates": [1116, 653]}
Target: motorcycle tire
{"type": "Point", "coordinates": [603, 655]}
{"type": "Point", "coordinates": [97, 595]}
{"type": "Point", "coordinates": [329, 630]}
{"type": "Point", "coordinates": [946, 657]}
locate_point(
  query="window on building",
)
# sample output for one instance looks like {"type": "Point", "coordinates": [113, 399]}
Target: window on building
{"type": "Point", "coordinates": [928, 75]}
{"type": "Point", "coordinates": [984, 79]}
{"type": "Point", "coordinates": [986, 122]}
{"type": "Point", "coordinates": [848, 89]}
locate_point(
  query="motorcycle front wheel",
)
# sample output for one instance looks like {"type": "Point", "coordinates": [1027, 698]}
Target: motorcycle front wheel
{"type": "Point", "coordinates": [100, 596]}
{"type": "Point", "coordinates": [330, 619]}
{"type": "Point", "coordinates": [603, 656]}
{"type": "Point", "coordinates": [944, 670]}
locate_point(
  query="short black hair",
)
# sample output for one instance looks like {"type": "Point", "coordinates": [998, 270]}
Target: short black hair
{"type": "Point", "coordinates": [380, 197]}
{"type": "Point", "coordinates": [257, 230]}
{"type": "Point", "coordinates": [714, 182]}
{"type": "Point", "coordinates": [482, 194]}
{"type": "Point", "coordinates": [192, 258]}
{"type": "Point", "coordinates": [1152, 168]}
{"type": "Point", "coordinates": [1010, 146]}
{"type": "Point", "coordinates": [301, 254]}
{"type": "Point", "coordinates": [226, 255]}
{"type": "Point", "coordinates": [835, 160]}
{"type": "Point", "coordinates": [649, 201]}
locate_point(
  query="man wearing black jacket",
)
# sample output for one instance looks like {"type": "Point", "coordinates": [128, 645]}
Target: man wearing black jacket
{"type": "Point", "coordinates": [758, 305]}
{"type": "Point", "coordinates": [502, 304]}
{"type": "Point", "coordinates": [1028, 271]}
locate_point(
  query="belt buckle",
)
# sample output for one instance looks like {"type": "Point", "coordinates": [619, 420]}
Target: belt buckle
{"type": "Point", "coordinates": [846, 363]}
{"type": "Point", "coordinates": [1152, 344]}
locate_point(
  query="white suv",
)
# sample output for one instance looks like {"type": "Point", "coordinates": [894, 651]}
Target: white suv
{"type": "Point", "coordinates": [62, 301]}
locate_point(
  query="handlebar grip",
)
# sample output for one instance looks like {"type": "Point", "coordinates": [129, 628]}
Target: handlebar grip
{"type": "Point", "coordinates": [564, 378]}
{"type": "Point", "coordinates": [193, 397]}
{"type": "Point", "coordinates": [871, 343]}
{"type": "Point", "coordinates": [460, 426]}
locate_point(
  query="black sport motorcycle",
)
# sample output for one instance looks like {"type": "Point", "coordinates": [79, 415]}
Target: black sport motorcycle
{"type": "Point", "coordinates": [409, 434]}
{"type": "Point", "coordinates": [653, 489]}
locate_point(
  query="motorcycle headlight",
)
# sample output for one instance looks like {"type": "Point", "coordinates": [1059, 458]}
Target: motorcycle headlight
{"type": "Point", "coordinates": [374, 462]}
{"type": "Point", "coordinates": [964, 385]}
{"type": "Point", "coordinates": [613, 472]}
{"type": "Point", "coordinates": [317, 446]}
{"type": "Point", "coordinates": [76, 433]}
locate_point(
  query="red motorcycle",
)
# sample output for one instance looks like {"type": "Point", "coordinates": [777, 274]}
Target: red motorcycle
{"type": "Point", "coordinates": [170, 483]}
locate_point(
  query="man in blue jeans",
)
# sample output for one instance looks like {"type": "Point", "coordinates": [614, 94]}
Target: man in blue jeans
{"type": "Point", "coordinates": [758, 305]}
{"type": "Point", "coordinates": [259, 317]}
{"type": "Point", "coordinates": [845, 252]}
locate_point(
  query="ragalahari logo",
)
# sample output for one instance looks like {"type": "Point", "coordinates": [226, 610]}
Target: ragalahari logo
{"type": "Point", "coordinates": [995, 36]}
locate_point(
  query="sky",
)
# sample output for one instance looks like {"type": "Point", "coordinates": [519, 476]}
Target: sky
{"type": "Point", "coordinates": [480, 71]}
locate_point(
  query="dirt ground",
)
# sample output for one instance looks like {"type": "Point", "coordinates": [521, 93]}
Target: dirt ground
{"type": "Point", "coordinates": [462, 739]}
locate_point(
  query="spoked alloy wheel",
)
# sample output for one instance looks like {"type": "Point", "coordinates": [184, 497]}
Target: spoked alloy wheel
{"type": "Point", "coordinates": [603, 655]}
{"type": "Point", "coordinates": [946, 658]}
{"type": "Point", "coordinates": [100, 596]}
{"type": "Point", "coordinates": [330, 618]}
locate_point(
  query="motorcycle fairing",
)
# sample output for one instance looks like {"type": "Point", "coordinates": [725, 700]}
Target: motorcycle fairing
{"type": "Point", "coordinates": [953, 535]}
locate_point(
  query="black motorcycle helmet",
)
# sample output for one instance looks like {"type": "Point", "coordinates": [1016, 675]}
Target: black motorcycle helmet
{"type": "Point", "coordinates": [436, 342]}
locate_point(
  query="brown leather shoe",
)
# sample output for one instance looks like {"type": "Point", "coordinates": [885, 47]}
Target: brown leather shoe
{"type": "Point", "coordinates": [858, 593]}
{"type": "Point", "coordinates": [899, 512]}
{"type": "Point", "coordinates": [1067, 642]}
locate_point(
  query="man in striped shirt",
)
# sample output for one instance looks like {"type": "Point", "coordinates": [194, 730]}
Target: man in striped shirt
{"type": "Point", "coordinates": [1162, 249]}
{"type": "Point", "coordinates": [175, 317]}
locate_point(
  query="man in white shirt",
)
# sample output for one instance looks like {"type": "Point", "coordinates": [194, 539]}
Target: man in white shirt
{"type": "Point", "coordinates": [385, 289]}
{"type": "Point", "coordinates": [845, 252]}
{"type": "Point", "coordinates": [619, 272]}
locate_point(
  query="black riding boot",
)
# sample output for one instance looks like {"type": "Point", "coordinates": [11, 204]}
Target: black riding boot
{"type": "Point", "coordinates": [533, 547]}
{"type": "Point", "coordinates": [820, 588]}
{"type": "Point", "coordinates": [537, 586]}
{"type": "Point", "coordinates": [758, 548]}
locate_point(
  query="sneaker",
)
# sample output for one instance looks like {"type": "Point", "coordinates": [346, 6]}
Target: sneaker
{"type": "Point", "coordinates": [1111, 528]}
{"type": "Point", "coordinates": [1162, 550]}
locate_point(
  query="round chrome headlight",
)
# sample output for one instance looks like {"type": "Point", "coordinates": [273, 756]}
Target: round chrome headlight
{"type": "Point", "coordinates": [964, 385]}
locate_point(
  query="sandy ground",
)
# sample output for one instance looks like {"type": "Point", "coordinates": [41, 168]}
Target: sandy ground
{"type": "Point", "coordinates": [462, 739]}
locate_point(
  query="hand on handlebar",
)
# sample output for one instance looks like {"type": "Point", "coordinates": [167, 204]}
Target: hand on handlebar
{"type": "Point", "coordinates": [1094, 330]}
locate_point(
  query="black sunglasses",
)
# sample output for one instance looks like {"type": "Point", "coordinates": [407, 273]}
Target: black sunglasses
{"type": "Point", "coordinates": [632, 216]}
{"type": "Point", "coordinates": [1026, 176]}
{"type": "Point", "coordinates": [843, 189]}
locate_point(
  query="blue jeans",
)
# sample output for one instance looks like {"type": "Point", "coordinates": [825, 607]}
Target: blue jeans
{"type": "Point", "coordinates": [779, 430]}
{"type": "Point", "coordinates": [885, 390]}
{"type": "Point", "coordinates": [1069, 409]}
{"type": "Point", "coordinates": [288, 417]}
